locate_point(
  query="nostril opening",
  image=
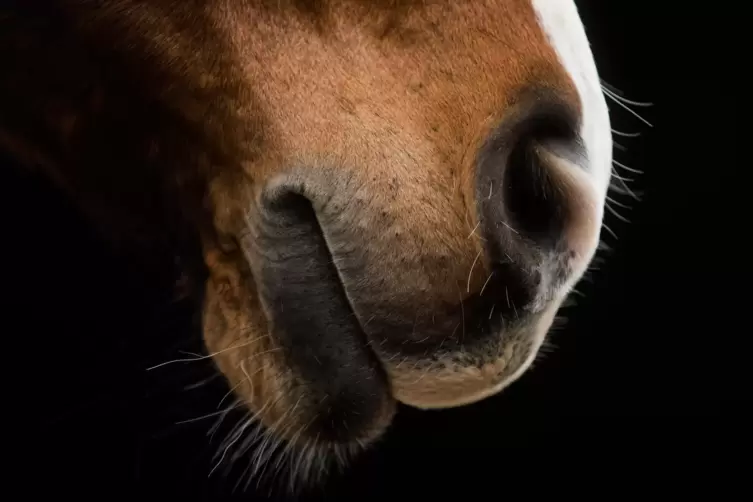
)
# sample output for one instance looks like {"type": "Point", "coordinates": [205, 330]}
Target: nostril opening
{"type": "Point", "coordinates": [290, 206]}
{"type": "Point", "coordinates": [533, 204]}
{"type": "Point", "coordinates": [518, 159]}
{"type": "Point", "coordinates": [310, 315]}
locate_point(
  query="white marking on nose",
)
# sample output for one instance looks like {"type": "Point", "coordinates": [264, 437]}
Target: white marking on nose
{"type": "Point", "coordinates": [560, 20]}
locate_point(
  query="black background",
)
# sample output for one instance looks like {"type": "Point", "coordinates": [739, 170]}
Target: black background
{"type": "Point", "coordinates": [651, 368]}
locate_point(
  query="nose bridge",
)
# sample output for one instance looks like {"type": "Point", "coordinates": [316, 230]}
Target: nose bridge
{"type": "Point", "coordinates": [436, 71]}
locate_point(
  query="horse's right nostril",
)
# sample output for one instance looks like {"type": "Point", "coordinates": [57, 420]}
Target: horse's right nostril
{"type": "Point", "coordinates": [521, 194]}
{"type": "Point", "coordinates": [311, 319]}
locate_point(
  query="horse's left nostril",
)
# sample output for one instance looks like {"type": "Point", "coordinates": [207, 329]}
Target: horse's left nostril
{"type": "Point", "coordinates": [522, 195]}
{"type": "Point", "coordinates": [534, 205]}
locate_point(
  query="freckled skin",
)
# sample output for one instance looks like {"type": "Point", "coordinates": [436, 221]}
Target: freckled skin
{"type": "Point", "coordinates": [346, 167]}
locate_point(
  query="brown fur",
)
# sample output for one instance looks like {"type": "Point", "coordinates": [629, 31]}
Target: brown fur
{"type": "Point", "coordinates": [181, 112]}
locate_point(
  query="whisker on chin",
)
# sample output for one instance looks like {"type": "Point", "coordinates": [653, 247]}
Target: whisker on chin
{"type": "Point", "coordinates": [233, 438]}
{"type": "Point", "coordinates": [234, 387]}
{"type": "Point", "coordinates": [261, 456]}
{"type": "Point", "coordinates": [288, 456]}
{"type": "Point", "coordinates": [277, 439]}
{"type": "Point", "coordinates": [239, 430]}
{"type": "Point", "coordinates": [208, 415]}
{"type": "Point", "coordinates": [208, 356]}
{"type": "Point", "coordinates": [272, 455]}
{"type": "Point", "coordinates": [202, 382]}
{"type": "Point", "coordinates": [213, 430]}
{"type": "Point", "coordinates": [286, 452]}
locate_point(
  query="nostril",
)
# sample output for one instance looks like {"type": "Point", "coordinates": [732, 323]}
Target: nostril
{"type": "Point", "coordinates": [518, 188]}
{"type": "Point", "coordinates": [309, 313]}
{"type": "Point", "coordinates": [534, 205]}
